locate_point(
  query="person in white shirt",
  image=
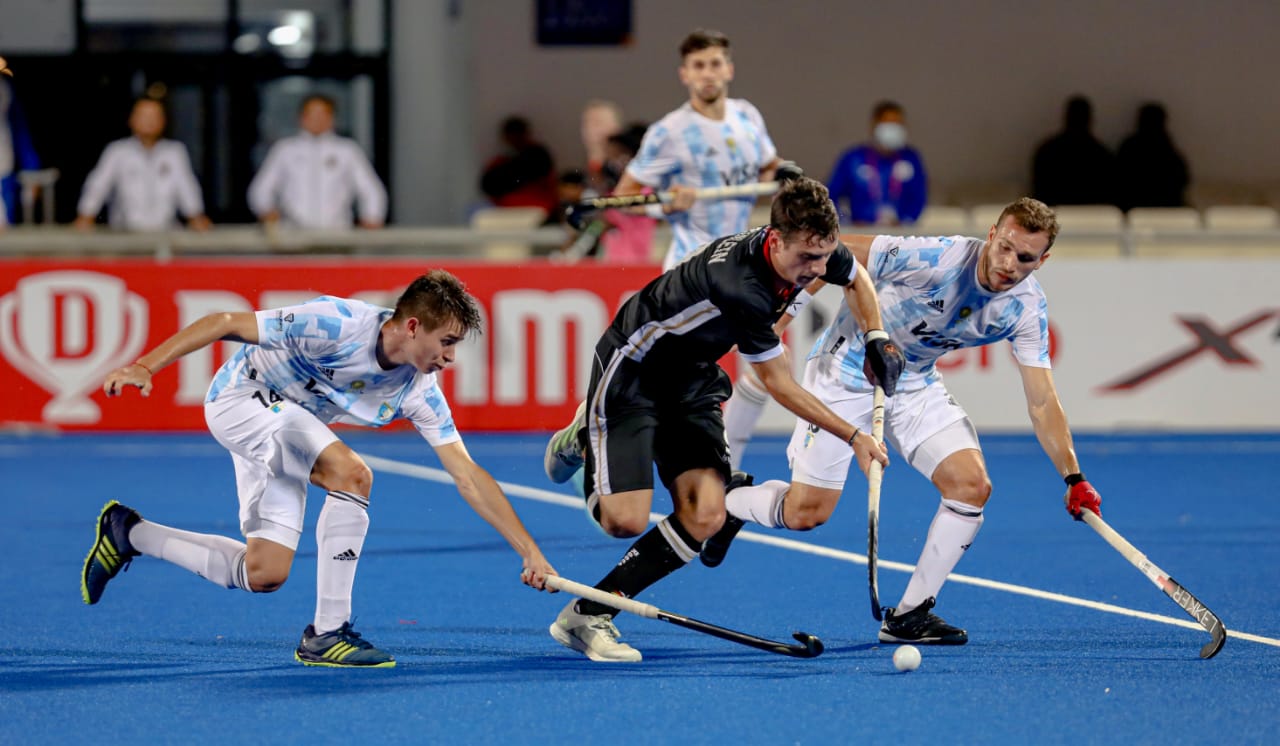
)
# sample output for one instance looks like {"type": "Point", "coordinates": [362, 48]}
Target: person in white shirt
{"type": "Point", "coordinates": [146, 178]}
{"type": "Point", "coordinates": [311, 179]}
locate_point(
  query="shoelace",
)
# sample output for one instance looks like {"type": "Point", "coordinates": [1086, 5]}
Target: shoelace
{"type": "Point", "coordinates": [352, 637]}
{"type": "Point", "coordinates": [605, 625]}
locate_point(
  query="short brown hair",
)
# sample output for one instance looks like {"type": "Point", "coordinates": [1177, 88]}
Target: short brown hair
{"type": "Point", "coordinates": [1034, 216]}
{"type": "Point", "coordinates": [802, 206]}
{"type": "Point", "coordinates": [437, 298]}
{"type": "Point", "coordinates": [702, 39]}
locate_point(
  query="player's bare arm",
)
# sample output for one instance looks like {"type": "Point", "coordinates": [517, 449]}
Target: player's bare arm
{"type": "Point", "coordinates": [233, 327]}
{"type": "Point", "coordinates": [884, 362]}
{"type": "Point", "coordinates": [1050, 424]}
{"type": "Point", "coordinates": [682, 197]}
{"type": "Point", "coordinates": [1048, 418]}
{"type": "Point", "coordinates": [485, 497]}
{"type": "Point", "coordinates": [769, 170]}
{"type": "Point", "coordinates": [775, 374]}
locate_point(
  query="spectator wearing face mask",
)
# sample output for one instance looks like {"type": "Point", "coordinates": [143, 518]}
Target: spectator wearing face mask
{"type": "Point", "coordinates": [881, 182]}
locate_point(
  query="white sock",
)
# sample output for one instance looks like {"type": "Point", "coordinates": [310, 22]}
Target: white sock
{"type": "Point", "coordinates": [954, 526]}
{"type": "Point", "coordinates": [741, 414]}
{"type": "Point", "coordinates": [761, 503]}
{"type": "Point", "coordinates": [340, 533]}
{"type": "Point", "coordinates": [218, 559]}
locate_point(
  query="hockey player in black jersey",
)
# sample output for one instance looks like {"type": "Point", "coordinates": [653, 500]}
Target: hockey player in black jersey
{"type": "Point", "coordinates": [656, 393]}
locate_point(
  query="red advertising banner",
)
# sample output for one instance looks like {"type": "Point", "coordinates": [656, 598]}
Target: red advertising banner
{"type": "Point", "coordinates": [64, 325]}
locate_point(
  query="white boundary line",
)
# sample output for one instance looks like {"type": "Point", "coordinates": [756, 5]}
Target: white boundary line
{"type": "Point", "coordinates": [557, 498]}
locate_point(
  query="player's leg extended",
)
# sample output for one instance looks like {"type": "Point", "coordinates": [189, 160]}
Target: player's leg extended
{"type": "Point", "coordinates": [819, 462]}
{"type": "Point", "coordinates": [951, 458]}
{"type": "Point", "coordinates": [237, 422]}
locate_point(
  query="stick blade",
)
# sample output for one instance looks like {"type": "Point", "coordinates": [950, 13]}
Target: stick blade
{"type": "Point", "coordinates": [813, 646]}
{"type": "Point", "coordinates": [1213, 647]}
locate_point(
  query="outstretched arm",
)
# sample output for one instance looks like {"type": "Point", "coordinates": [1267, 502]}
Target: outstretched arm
{"type": "Point", "coordinates": [235, 327]}
{"type": "Point", "coordinates": [1050, 423]}
{"type": "Point", "coordinates": [775, 374]}
{"type": "Point", "coordinates": [485, 497]}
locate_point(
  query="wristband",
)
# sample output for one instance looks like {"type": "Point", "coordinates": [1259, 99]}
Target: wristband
{"type": "Point", "coordinates": [856, 430]}
{"type": "Point", "coordinates": [655, 210]}
{"type": "Point", "coordinates": [798, 303]}
{"type": "Point", "coordinates": [1073, 479]}
{"type": "Point", "coordinates": [875, 334]}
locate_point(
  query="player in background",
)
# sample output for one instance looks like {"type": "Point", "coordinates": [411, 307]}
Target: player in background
{"type": "Point", "coordinates": [936, 295]}
{"type": "Point", "coordinates": [710, 141]}
{"type": "Point", "coordinates": [301, 369]}
{"type": "Point", "coordinates": [656, 391]}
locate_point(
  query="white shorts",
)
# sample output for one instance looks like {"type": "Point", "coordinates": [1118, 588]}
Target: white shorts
{"type": "Point", "coordinates": [924, 426]}
{"type": "Point", "coordinates": [274, 444]}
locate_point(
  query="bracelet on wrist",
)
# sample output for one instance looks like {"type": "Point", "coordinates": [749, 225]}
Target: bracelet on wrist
{"type": "Point", "coordinates": [856, 430]}
{"type": "Point", "coordinates": [148, 370]}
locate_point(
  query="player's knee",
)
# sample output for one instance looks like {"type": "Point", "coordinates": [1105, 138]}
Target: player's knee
{"type": "Point", "coordinates": [972, 491]}
{"type": "Point", "coordinates": [353, 476]}
{"type": "Point", "coordinates": [702, 523]}
{"type": "Point", "coordinates": [805, 517]}
{"type": "Point", "coordinates": [624, 526]}
{"type": "Point", "coordinates": [267, 580]}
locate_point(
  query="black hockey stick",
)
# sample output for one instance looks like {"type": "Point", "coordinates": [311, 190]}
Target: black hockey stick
{"type": "Point", "coordinates": [1172, 588]}
{"type": "Point", "coordinates": [810, 646]}
{"type": "Point", "coordinates": [874, 475]}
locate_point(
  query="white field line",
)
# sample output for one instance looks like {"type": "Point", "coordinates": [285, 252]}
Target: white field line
{"type": "Point", "coordinates": [556, 498]}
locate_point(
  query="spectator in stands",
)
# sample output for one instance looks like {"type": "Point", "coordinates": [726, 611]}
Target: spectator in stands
{"type": "Point", "coordinates": [1073, 167]}
{"type": "Point", "coordinates": [881, 182]}
{"type": "Point", "coordinates": [315, 178]}
{"type": "Point", "coordinates": [629, 239]}
{"type": "Point", "coordinates": [146, 178]}
{"type": "Point", "coordinates": [1152, 171]}
{"type": "Point", "coordinates": [524, 174]}
{"type": "Point", "coordinates": [600, 120]}
{"type": "Point", "coordinates": [16, 150]}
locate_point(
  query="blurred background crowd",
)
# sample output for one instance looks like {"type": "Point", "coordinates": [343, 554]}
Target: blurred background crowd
{"type": "Point", "coordinates": [143, 115]}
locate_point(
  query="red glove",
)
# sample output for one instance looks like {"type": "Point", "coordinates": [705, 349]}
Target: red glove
{"type": "Point", "coordinates": [1081, 496]}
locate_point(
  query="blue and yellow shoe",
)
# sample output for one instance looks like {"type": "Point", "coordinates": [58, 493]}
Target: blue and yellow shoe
{"type": "Point", "coordinates": [111, 550]}
{"type": "Point", "coordinates": [341, 648]}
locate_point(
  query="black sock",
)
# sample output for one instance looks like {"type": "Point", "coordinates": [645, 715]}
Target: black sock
{"type": "Point", "coordinates": [665, 548]}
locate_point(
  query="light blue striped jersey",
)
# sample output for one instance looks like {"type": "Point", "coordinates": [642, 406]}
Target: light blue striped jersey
{"type": "Point", "coordinates": [931, 303]}
{"type": "Point", "coordinates": [687, 148]}
{"type": "Point", "coordinates": [322, 355]}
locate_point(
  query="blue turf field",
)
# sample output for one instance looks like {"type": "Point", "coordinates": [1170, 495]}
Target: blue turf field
{"type": "Point", "coordinates": [167, 657]}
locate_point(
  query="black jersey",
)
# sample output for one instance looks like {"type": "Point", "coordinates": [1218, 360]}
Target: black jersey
{"type": "Point", "coordinates": [724, 295]}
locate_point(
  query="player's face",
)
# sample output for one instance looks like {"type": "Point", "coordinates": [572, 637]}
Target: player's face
{"type": "Point", "coordinates": [802, 259]}
{"type": "Point", "coordinates": [1010, 255]}
{"type": "Point", "coordinates": [706, 73]}
{"type": "Point", "coordinates": [433, 350]}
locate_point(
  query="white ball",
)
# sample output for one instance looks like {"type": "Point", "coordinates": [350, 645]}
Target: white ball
{"type": "Point", "coordinates": [906, 658]}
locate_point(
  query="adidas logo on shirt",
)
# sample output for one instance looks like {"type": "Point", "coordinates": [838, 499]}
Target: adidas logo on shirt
{"type": "Point", "coordinates": [346, 556]}
{"type": "Point", "coordinates": [936, 305]}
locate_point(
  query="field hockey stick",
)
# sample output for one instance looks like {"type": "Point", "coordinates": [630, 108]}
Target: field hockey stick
{"type": "Point", "coordinates": [786, 171]}
{"type": "Point", "coordinates": [1172, 588]}
{"type": "Point", "coordinates": [874, 476]}
{"type": "Point", "coordinates": [810, 646]}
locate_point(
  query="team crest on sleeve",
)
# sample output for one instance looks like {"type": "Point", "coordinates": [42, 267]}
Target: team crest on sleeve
{"type": "Point", "coordinates": [386, 412]}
